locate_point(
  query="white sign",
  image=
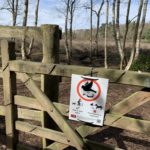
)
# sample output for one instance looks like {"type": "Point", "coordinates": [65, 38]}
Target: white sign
{"type": "Point", "coordinates": [88, 99]}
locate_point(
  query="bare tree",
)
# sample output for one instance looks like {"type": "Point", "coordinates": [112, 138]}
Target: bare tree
{"type": "Point", "coordinates": [91, 28]}
{"type": "Point", "coordinates": [118, 34]}
{"type": "Point", "coordinates": [72, 8]}
{"type": "Point", "coordinates": [15, 11]}
{"type": "Point", "coordinates": [68, 10]}
{"type": "Point", "coordinates": [114, 21]}
{"type": "Point", "coordinates": [132, 55]}
{"type": "Point", "coordinates": [126, 29]}
{"type": "Point", "coordinates": [66, 32]}
{"type": "Point", "coordinates": [25, 17]}
{"type": "Point", "coordinates": [98, 13]}
{"type": "Point", "coordinates": [140, 31]}
{"type": "Point", "coordinates": [106, 29]}
{"type": "Point", "coordinates": [36, 12]}
{"type": "Point", "coordinates": [116, 29]}
{"type": "Point", "coordinates": [13, 7]}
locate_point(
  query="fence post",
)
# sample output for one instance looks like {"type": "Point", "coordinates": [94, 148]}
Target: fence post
{"type": "Point", "coordinates": [50, 84]}
{"type": "Point", "coordinates": [9, 87]}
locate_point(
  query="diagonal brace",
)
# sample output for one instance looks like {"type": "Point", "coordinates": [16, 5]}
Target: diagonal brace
{"type": "Point", "coordinates": [48, 106]}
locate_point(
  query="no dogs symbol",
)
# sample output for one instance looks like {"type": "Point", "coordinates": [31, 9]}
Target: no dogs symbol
{"type": "Point", "coordinates": [88, 89]}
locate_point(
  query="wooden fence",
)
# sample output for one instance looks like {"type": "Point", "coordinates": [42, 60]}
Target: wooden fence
{"type": "Point", "coordinates": [45, 99]}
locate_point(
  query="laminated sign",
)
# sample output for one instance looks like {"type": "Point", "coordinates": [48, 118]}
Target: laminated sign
{"type": "Point", "coordinates": [88, 99]}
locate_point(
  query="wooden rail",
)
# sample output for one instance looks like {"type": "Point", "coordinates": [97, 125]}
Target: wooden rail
{"type": "Point", "coordinates": [123, 122]}
{"type": "Point", "coordinates": [115, 76]}
{"type": "Point", "coordinates": [111, 119]}
{"type": "Point", "coordinates": [19, 32]}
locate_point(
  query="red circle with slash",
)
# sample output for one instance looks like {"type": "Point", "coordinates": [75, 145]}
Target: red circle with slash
{"type": "Point", "coordinates": [88, 99]}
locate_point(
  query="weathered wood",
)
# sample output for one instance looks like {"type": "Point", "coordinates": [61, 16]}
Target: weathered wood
{"type": "Point", "coordinates": [110, 118]}
{"type": "Point", "coordinates": [9, 90]}
{"type": "Point", "coordinates": [137, 125]}
{"type": "Point", "coordinates": [18, 32]}
{"type": "Point", "coordinates": [92, 145]}
{"type": "Point", "coordinates": [27, 102]}
{"type": "Point", "coordinates": [130, 103]}
{"type": "Point", "coordinates": [59, 137]}
{"type": "Point", "coordinates": [32, 103]}
{"type": "Point", "coordinates": [24, 113]}
{"type": "Point", "coordinates": [50, 84]}
{"type": "Point", "coordinates": [1, 75]}
{"type": "Point", "coordinates": [56, 146]}
{"type": "Point", "coordinates": [115, 76]}
{"type": "Point", "coordinates": [43, 132]}
{"type": "Point", "coordinates": [98, 146]}
{"type": "Point", "coordinates": [120, 109]}
{"type": "Point", "coordinates": [2, 110]}
{"type": "Point", "coordinates": [29, 114]}
{"type": "Point", "coordinates": [127, 123]}
{"type": "Point", "coordinates": [53, 112]}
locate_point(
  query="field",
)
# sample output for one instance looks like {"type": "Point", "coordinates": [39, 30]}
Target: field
{"type": "Point", "coordinates": [120, 138]}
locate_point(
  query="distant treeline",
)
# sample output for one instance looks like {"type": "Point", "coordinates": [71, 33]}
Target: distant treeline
{"type": "Point", "coordinates": [84, 34]}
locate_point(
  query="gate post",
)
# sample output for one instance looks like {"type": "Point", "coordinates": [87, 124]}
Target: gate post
{"type": "Point", "coordinates": [9, 87]}
{"type": "Point", "coordinates": [50, 84]}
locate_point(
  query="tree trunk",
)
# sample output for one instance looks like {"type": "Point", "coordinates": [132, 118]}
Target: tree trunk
{"type": "Point", "coordinates": [66, 33]}
{"type": "Point", "coordinates": [118, 34]}
{"type": "Point", "coordinates": [71, 22]}
{"type": "Point", "coordinates": [106, 28]}
{"type": "Point", "coordinates": [140, 31]}
{"type": "Point", "coordinates": [36, 12]}
{"type": "Point", "coordinates": [25, 17]}
{"type": "Point", "coordinates": [97, 27]}
{"type": "Point", "coordinates": [126, 29]}
{"type": "Point", "coordinates": [26, 2]}
{"type": "Point", "coordinates": [13, 12]}
{"type": "Point", "coordinates": [23, 48]}
{"type": "Point", "coordinates": [114, 22]}
{"type": "Point", "coordinates": [132, 55]}
{"type": "Point", "coordinates": [14, 4]}
{"type": "Point", "coordinates": [97, 34]}
{"type": "Point", "coordinates": [91, 29]}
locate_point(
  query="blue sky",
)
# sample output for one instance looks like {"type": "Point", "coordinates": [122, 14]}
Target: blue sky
{"type": "Point", "coordinates": [49, 13]}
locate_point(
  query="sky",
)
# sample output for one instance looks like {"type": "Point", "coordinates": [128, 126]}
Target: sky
{"type": "Point", "coordinates": [50, 12]}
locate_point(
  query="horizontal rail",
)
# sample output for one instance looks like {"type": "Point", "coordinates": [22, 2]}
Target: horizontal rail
{"type": "Point", "coordinates": [111, 119]}
{"type": "Point", "coordinates": [24, 113]}
{"type": "Point", "coordinates": [19, 32]}
{"type": "Point", "coordinates": [32, 103]}
{"type": "Point", "coordinates": [42, 132]}
{"type": "Point", "coordinates": [115, 76]}
{"type": "Point", "coordinates": [29, 114]}
{"type": "Point", "coordinates": [58, 136]}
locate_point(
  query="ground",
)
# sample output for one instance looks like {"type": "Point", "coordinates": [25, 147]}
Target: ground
{"type": "Point", "coordinates": [120, 138]}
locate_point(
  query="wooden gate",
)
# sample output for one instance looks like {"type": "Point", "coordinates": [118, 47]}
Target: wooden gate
{"type": "Point", "coordinates": [34, 108]}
